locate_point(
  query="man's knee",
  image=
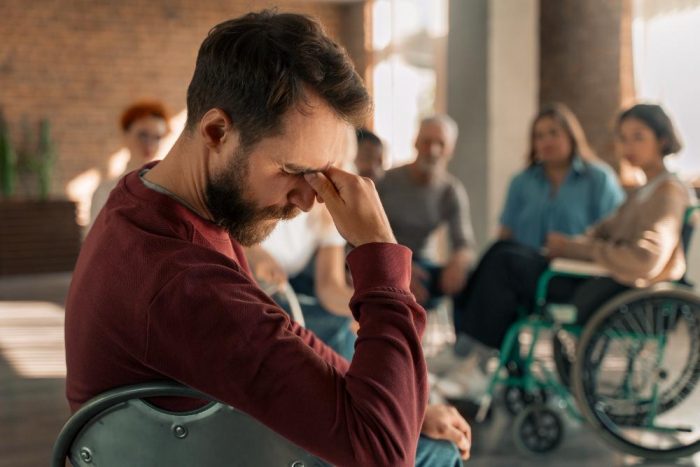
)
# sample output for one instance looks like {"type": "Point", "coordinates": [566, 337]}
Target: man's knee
{"type": "Point", "coordinates": [437, 453]}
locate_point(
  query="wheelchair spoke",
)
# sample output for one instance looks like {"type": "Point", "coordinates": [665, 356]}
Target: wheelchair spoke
{"type": "Point", "coordinates": [640, 371]}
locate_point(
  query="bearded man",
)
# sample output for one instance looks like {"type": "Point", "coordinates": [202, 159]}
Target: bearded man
{"type": "Point", "coordinates": [162, 289]}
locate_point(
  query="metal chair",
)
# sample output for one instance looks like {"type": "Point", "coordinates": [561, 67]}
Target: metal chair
{"type": "Point", "coordinates": [121, 428]}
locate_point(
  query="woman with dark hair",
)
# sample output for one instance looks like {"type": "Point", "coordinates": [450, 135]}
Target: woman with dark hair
{"type": "Point", "coordinates": [639, 244]}
{"type": "Point", "coordinates": [564, 187]}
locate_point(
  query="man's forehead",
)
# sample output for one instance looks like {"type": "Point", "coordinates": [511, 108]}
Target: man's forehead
{"type": "Point", "coordinates": [302, 168]}
{"type": "Point", "coordinates": [311, 139]}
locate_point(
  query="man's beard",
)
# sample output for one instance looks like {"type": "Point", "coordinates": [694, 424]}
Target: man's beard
{"type": "Point", "coordinates": [226, 201]}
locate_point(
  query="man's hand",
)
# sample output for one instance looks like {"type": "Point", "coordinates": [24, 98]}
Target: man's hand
{"type": "Point", "coordinates": [354, 205]}
{"type": "Point", "coordinates": [556, 244]}
{"type": "Point", "coordinates": [454, 274]}
{"type": "Point", "coordinates": [419, 276]}
{"type": "Point", "coordinates": [444, 422]}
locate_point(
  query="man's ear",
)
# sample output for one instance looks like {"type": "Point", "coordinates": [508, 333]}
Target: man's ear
{"type": "Point", "coordinates": [214, 128]}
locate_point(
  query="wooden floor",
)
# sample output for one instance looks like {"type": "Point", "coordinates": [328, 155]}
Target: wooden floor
{"type": "Point", "coordinates": [32, 368]}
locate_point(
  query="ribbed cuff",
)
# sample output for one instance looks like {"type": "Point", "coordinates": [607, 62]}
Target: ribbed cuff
{"type": "Point", "coordinates": [380, 265]}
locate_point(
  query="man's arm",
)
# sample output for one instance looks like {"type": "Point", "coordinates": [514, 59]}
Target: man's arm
{"type": "Point", "coordinates": [244, 351]}
{"type": "Point", "coordinates": [454, 275]}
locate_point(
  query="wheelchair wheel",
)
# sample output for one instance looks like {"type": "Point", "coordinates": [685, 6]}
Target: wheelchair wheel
{"type": "Point", "coordinates": [538, 430]}
{"type": "Point", "coordinates": [636, 372]}
{"type": "Point", "coordinates": [517, 399]}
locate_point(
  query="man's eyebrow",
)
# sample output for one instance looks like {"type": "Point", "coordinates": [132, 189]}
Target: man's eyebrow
{"type": "Point", "coordinates": [301, 170]}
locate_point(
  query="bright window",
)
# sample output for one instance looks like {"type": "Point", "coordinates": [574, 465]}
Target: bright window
{"type": "Point", "coordinates": [409, 39]}
{"type": "Point", "coordinates": [665, 39]}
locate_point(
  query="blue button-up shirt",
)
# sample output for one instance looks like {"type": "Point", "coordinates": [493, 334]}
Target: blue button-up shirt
{"type": "Point", "coordinates": [589, 193]}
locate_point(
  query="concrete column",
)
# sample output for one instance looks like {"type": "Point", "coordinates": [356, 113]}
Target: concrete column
{"type": "Point", "coordinates": [492, 94]}
{"type": "Point", "coordinates": [467, 103]}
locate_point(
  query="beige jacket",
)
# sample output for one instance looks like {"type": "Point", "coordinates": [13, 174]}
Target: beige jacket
{"type": "Point", "coordinates": [640, 243]}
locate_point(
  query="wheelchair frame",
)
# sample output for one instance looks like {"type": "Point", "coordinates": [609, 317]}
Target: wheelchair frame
{"type": "Point", "coordinates": [541, 320]}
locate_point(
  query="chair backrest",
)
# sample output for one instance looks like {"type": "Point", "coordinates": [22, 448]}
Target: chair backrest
{"type": "Point", "coordinates": [289, 296]}
{"type": "Point", "coordinates": [689, 221]}
{"type": "Point", "coordinates": [120, 428]}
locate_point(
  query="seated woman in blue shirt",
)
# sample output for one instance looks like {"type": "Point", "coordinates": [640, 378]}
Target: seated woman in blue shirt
{"type": "Point", "coordinates": [564, 188]}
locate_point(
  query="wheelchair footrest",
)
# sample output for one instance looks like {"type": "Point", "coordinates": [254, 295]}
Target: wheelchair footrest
{"type": "Point", "coordinates": [662, 429]}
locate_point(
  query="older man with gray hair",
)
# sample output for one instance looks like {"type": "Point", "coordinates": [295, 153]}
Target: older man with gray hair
{"type": "Point", "coordinates": [421, 196]}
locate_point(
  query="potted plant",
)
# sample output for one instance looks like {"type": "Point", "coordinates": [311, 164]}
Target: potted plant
{"type": "Point", "coordinates": [8, 160]}
{"type": "Point", "coordinates": [37, 233]}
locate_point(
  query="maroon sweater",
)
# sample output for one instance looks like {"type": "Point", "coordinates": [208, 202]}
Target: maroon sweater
{"type": "Point", "coordinates": [160, 293]}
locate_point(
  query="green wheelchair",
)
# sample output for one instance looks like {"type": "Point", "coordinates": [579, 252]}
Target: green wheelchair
{"type": "Point", "coordinates": [630, 371]}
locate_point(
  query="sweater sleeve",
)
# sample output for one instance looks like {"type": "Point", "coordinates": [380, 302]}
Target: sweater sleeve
{"type": "Point", "coordinates": [644, 255]}
{"type": "Point", "coordinates": [214, 330]}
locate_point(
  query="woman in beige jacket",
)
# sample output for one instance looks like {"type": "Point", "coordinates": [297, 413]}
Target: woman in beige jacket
{"type": "Point", "coordinates": [640, 243]}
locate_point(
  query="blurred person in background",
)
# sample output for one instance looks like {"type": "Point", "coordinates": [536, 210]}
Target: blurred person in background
{"type": "Point", "coordinates": [370, 155]}
{"type": "Point", "coordinates": [144, 124]}
{"type": "Point", "coordinates": [421, 196]}
{"type": "Point", "coordinates": [639, 244]}
{"type": "Point", "coordinates": [564, 188]}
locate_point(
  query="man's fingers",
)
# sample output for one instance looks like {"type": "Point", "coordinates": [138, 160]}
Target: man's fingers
{"type": "Point", "coordinates": [460, 423]}
{"type": "Point", "coordinates": [324, 188]}
{"type": "Point", "coordinates": [459, 438]}
{"type": "Point", "coordinates": [339, 178]}
{"type": "Point", "coordinates": [464, 444]}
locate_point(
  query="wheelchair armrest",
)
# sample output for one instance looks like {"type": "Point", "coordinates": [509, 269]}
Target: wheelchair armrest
{"type": "Point", "coordinates": [564, 266]}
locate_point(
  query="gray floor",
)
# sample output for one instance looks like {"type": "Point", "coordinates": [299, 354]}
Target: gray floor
{"type": "Point", "coordinates": [33, 408]}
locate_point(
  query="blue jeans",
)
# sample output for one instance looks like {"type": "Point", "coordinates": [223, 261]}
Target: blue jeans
{"type": "Point", "coordinates": [332, 329]}
{"type": "Point", "coordinates": [437, 453]}
{"type": "Point", "coordinates": [335, 332]}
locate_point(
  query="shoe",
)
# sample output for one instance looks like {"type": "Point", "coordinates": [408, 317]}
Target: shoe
{"type": "Point", "coordinates": [464, 381]}
{"type": "Point", "coordinates": [444, 361]}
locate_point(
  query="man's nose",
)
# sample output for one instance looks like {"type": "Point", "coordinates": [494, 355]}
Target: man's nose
{"type": "Point", "coordinates": [302, 196]}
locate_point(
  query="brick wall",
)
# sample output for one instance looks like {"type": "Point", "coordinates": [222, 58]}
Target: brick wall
{"type": "Point", "coordinates": [79, 63]}
{"type": "Point", "coordinates": [586, 62]}
{"type": "Point", "coordinates": [38, 237]}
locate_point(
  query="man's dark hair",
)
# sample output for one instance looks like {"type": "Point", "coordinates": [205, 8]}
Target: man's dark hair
{"type": "Point", "coordinates": [654, 116]}
{"type": "Point", "coordinates": [363, 134]}
{"type": "Point", "coordinates": [257, 67]}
